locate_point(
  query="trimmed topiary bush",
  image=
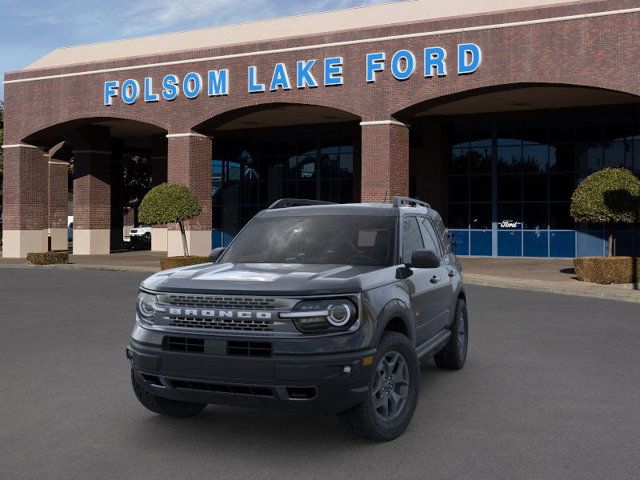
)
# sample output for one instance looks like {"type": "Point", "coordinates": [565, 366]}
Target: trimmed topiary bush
{"type": "Point", "coordinates": [170, 203]}
{"type": "Point", "coordinates": [609, 196]}
{"type": "Point", "coordinates": [606, 270]}
{"type": "Point", "coordinates": [175, 262]}
{"type": "Point", "coordinates": [48, 258]}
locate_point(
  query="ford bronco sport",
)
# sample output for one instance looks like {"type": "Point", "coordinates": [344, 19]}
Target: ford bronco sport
{"type": "Point", "coordinates": [312, 307]}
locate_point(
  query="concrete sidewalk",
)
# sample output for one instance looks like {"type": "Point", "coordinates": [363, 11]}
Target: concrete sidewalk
{"type": "Point", "coordinates": [540, 275]}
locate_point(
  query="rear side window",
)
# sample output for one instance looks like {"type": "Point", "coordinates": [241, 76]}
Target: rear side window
{"type": "Point", "coordinates": [411, 238]}
{"type": "Point", "coordinates": [430, 238]}
{"type": "Point", "coordinates": [442, 232]}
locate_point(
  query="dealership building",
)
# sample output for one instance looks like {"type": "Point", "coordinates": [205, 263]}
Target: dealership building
{"type": "Point", "coordinates": [492, 111]}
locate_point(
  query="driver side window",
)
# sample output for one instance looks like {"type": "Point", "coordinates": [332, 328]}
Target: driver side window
{"type": "Point", "coordinates": [411, 238]}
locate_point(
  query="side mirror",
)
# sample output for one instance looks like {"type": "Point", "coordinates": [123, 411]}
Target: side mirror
{"type": "Point", "coordinates": [425, 259]}
{"type": "Point", "coordinates": [215, 254]}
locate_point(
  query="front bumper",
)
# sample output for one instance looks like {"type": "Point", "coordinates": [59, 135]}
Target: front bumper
{"type": "Point", "coordinates": [322, 383]}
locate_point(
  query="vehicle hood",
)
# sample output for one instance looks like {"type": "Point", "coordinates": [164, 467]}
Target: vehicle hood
{"type": "Point", "coordinates": [270, 279]}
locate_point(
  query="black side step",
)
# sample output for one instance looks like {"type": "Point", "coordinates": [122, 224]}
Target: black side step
{"type": "Point", "coordinates": [432, 344]}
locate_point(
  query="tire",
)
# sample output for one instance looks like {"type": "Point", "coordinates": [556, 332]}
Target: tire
{"type": "Point", "coordinates": [367, 420]}
{"type": "Point", "coordinates": [164, 406]}
{"type": "Point", "coordinates": [454, 354]}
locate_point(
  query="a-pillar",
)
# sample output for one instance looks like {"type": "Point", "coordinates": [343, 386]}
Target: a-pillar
{"type": "Point", "coordinates": [25, 199]}
{"type": "Point", "coordinates": [385, 160]}
{"type": "Point", "coordinates": [158, 175]}
{"type": "Point", "coordinates": [92, 192]}
{"type": "Point", "coordinates": [58, 192]}
{"type": "Point", "coordinates": [189, 164]}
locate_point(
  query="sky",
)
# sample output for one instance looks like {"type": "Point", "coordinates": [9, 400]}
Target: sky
{"type": "Point", "coordinates": [30, 29]}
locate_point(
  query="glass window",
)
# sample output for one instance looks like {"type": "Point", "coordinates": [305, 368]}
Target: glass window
{"type": "Point", "coordinates": [509, 216]}
{"type": "Point", "coordinates": [431, 241]}
{"type": "Point", "coordinates": [480, 216]}
{"type": "Point", "coordinates": [589, 158]}
{"type": "Point", "coordinates": [562, 157]}
{"type": "Point", "coordinates": [459, 161]}
{"type": "Point", "coordinates": [458, 215]}
{"type": "Point", "coordinates": [618, 154]}
{"type": "Point", "coordinates": [509, 159]}
{"type": "Point", "coordinates": [559, 217]}
{"type": "Point", "coordinates": [481, 188]}
{"type": "Point", "coordinates": [458, 189]}
{"type": "Point", "coordinates": [348, 240]}
{"type": "Point", "coordinates": [411, 238]}
{"type": "Point", "coordinates": [442, 233]}
{"type": "Point", "coordinates": [535, 158]}
{"type": "Point", "coordinates": [535, 216]}
{"type": "Point", "coordinates": [561, 186]}
{"type": "Point", "coordinates": [509, 188]}
{"type": "Point", "coordinates": [534, 187]}
{"type": "Point", "coordinates": [480, 159]}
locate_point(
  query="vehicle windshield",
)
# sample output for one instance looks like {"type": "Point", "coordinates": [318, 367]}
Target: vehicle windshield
{"type": "Point", "coordinates": [330, 239]}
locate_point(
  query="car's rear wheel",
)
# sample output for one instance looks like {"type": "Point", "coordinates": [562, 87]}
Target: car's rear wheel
{"type": "Point", "coordinates": [454, 355]}
{"type": "Point", "coordinates": [164, 406]}
{"type": "Point", "coordinates": [394, 388]}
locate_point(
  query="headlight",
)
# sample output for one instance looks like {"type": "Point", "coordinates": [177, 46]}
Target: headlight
{"type": "Point", "coordinates": [323, 316]}
{"type": "Point", "coordinates": [147, 304]}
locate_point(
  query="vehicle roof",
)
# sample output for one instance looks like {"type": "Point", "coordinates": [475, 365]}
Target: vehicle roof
{"type": "Point", "coordinates": [372, 209]}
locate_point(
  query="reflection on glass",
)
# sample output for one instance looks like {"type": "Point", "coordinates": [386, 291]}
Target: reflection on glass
{"type": "Point", "coordinates": [509, 159]}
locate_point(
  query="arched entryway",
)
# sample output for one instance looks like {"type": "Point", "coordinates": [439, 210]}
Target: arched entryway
{"type": "Point", "coordinates": [100, 166]}
{"type": "Point", "coordinates": [267, 152]}
{"type": "Point", "coordinates": [501, 164]}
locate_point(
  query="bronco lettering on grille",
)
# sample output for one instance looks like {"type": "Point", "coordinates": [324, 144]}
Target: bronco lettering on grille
{"type": "Point", "coordinates": [209, 313]}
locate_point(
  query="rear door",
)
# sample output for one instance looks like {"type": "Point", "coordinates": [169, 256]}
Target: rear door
{"type": "Point", "coordinates": [420, 282]}
{"type": "Point", "coordinates": [441, 293]}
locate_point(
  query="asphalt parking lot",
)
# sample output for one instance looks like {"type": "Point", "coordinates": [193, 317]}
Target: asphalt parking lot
{"type": "Point", "coordinates": [551, 390]}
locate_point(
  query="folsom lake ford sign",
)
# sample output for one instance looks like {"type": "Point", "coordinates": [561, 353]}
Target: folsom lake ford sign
{"type": "Point", "coordinates": [310, 73]}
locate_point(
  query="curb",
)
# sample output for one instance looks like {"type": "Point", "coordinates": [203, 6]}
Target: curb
{"type": "Point", "coordinates": [632, 296]}
{"type": "Point", "coordinates": [75, 266]}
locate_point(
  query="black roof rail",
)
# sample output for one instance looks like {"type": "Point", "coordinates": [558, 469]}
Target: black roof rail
{"type": "Point", "coordinates": [409, 202]}
{"type": "Point", "coordinates": [296, 202]}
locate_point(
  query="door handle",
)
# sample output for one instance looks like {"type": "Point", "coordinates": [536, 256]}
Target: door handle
{"type": "Point", "coordinates": [435, 279]}
{"type": "Point", "coordinates": [452, 273]}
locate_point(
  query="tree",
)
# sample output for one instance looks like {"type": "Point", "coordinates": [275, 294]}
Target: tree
{"type": "Point", "coordinates": [170, 203]}
{"type": "Point", "coordinates": [609, 196]}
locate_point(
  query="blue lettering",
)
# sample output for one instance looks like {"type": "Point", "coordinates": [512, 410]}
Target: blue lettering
{"type": "Point", "coordinates": [304, 77]}
{"type": "Point", "coordinates": [469, 58]}
{"type": "Point", "coordinates": [375, 63]}
{"type": "Point", "coordinates": [280, 78]}
{"type": "Point", "coordinates": [149, 96]}
{"type": "Point", "coordinates": [333, 71]}
{"type": "Point", "coordinates": [192, 85]}
{"type": "Point", "coordinates": [110, 92]}
{"type": "Point", "coordinates": [435, 57]}
{"type": "Point", "coordinates": [254, 87]}
{"type": "Point", "coordinates": [130, 91]}
{"type": "Point", "coordinates": [218, 82]}
{"type": "Point", "coordinates": [170, 86]}
{"type": "Point", "coordinates": [403, 64]}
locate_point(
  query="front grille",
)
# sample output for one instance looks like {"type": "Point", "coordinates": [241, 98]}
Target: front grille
{"type": "Point", "coordinates": [183, 344]}
{"type": "Point", "coordinates": [242, 325]}
{"type": "Point", "coordinates": [220, 302]}
{"type": "Point", "coordinates": [250, 390]}
{"type": "Point", "coordinates": [249, 349]}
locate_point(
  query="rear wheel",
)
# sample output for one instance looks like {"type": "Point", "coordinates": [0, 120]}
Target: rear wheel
{"type": "Point", "coordinates": [394, 388]}
{"type": "Point", "coordinates": [164, 406]}
{"type": "Point", "coordinates": [453, 356]}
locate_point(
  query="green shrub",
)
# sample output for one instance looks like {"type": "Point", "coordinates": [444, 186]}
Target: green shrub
{"type": "Point", "coordinates": [609, 196]}
{"type": "Point", "coordinates": [174, 262]}
{"type": "Point", "coordinates": [48, 258]}
{"type": "Point", "coordinates": [607, 270]}
{"type": "Point", "coordinates": [170, 203]}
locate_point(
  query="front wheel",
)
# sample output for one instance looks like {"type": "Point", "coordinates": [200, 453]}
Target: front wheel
{"type": "Point", "coordinates": [454, 354]}
{"type": "Point", "coordinates": [164, 406]}
{"type": "Point", "coordinates": [394, 388]}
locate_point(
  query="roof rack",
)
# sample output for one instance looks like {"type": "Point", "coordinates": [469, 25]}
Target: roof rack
{"type": "Point", "coordinates": [409, 202]}
{"type": "Point", "coordinates": [296, 202]}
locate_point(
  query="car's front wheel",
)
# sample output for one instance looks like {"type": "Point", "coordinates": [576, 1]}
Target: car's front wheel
{"type": "Point", "coordinates": [164, 406]}
{"type": "Point", "coordinates": [394, 388]}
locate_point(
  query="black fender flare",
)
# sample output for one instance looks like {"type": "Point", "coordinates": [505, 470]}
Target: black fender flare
{"type": "Point", "coordinates": [392, 310]}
